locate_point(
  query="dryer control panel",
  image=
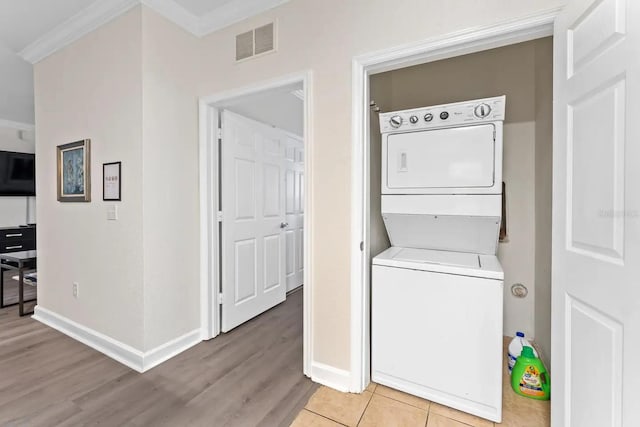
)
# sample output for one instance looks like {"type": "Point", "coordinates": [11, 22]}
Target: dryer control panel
{"type": "Point", "coordinates": [437, 116]}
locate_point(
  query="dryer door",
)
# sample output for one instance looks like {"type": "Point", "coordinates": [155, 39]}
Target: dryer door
{"type": "Point", "coordinates": [451, 160]}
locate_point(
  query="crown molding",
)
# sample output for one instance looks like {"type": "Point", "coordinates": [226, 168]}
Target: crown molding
{"type": "Point", "coordinates": [82, 23]}
{"type": "Point", "coordinates": [234, 12]}
{"type": "Point", "coordinates": [10, 124]}
{"type": "Point", "coordinates": [175, 13]}
{"type": "Point", "coordinates": [103, 11]}
{"type": "Point", "coordinates": [298, 93]}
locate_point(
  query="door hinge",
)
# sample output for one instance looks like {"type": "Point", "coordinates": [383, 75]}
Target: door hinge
{"type": "Point", "coordinates": [494, 135]}
{"type": "Point", "coordinates": [220, 298]}
{"type": "Point", "coordinates": [361, 246]}
{"type": "Point", "coordinates": [219, 134]}
{"type": "Point", "coordinates": [219, 216]}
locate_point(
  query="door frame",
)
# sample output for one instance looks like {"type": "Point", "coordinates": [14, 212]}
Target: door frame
{"type": "Point", "coordinates": [209, 206]}
{"type": "Point", "coordinates": [451, 45]}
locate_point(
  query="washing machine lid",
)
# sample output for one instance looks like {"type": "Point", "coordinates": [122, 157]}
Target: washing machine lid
{"type": "Point", "coordinates": [448, 262]}
{"type": "Point", "coordinates": [473, 234]}
{"type": "Point", "coordinates": [459, 223]}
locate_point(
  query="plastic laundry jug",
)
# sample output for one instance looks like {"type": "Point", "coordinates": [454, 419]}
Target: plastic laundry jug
{"type": "Point", "coordinates": [515, 348]}
{"type": "Point", "coordinates": [529, 377]}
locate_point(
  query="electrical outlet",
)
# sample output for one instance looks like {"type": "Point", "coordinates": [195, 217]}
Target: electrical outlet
{"type": "Point", "coordinates": [75, 289]}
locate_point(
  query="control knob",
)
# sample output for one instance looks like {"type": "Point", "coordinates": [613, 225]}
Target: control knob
{"type": "Point", "coordinates": [395, 121]}
{"type": "Point", "coordinates": [413, 119]}
{"type": "Point", "coordinates": [482, 110]}
{"type": "Point", "coordinates": [428, 117]}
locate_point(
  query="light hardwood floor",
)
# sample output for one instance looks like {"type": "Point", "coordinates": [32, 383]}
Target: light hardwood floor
{"type": "Point", "coordinates": [249, 377]}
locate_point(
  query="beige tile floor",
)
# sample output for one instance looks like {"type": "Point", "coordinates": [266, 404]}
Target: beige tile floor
{"type": "Point", "coordinates": [384, 407]}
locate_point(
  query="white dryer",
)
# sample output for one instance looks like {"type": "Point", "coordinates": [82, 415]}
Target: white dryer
{"type": "Point", "coordinates": [437, 293]}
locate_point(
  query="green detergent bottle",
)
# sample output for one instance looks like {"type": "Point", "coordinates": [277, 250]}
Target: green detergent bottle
{"type": "Point", "coordinates": [529, 377]}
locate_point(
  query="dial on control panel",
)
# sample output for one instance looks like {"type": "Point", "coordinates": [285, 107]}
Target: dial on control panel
{"type": "Point", "coordinates": [395, 121]}
{"type": "Point", "coordinates": [482, 110]}
{"type": "Point", "coordinates": [413, 119]}
{"type": "Point", "coordinates": [428, 117]}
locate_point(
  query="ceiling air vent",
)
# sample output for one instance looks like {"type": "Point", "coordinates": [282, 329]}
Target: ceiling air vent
{"type": "Point", "coordinates": [255, 42]}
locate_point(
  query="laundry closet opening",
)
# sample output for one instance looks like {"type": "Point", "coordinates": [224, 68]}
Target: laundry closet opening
{"type": "Point", "coordinates": [523, 73]}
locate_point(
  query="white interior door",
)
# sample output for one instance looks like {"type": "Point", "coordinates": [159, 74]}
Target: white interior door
{"type": "Point", "coordinates": [253, 213]}
{"type": "Point", "coordinates": [294, 187]}
{"type": "Point", "coordinates": [596, 215]}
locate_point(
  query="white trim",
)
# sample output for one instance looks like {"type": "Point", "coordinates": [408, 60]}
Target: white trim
{"type": "Point", "coordinates": [121, 352]}
{"type": "Point", "coordinates": [166, 351]}
{"type": "Point", "coordinates": [103, 11]}
{"type": "Point", "coordinates": [209, 239]}
{"type": "Point", "coordinates": [447, 46]}
{"type": "Point", "coordinates": [175, 13]}
{"type": "Point", "coordinates": [208, 123]}
{"type": "Point", "coordinates": [82, 23]}
{"type": "Point", "coordinates": [329, 376]}
{"type": "Point", "coordinates": [461, 42]}
{"type": "Point", "coordinates": [10, 124]}
{"type": "Point", "coordinates": [116, 350]}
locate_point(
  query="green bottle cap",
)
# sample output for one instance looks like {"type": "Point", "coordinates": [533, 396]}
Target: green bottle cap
{"type": "Point", "coordinates": [527, 352]}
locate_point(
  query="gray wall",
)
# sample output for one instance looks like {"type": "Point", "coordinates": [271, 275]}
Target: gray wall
{"type": "Point", "coordinates": [543, 159]}
{"type": "Point", "coordinates": [380, 89]}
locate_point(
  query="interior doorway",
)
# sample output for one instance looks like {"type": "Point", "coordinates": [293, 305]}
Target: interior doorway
{"type": "Point", "coordinates": [368, 66]}
{"type": "Point", "coordinates": [255, 163]}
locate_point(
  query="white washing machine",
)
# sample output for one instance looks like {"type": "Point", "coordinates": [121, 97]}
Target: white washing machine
{"type": "Point", "coordinates": [437, 293]}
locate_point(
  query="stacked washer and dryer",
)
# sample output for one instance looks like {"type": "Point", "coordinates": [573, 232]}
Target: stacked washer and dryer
{"type": "Point", "coordinates": [437, 293]}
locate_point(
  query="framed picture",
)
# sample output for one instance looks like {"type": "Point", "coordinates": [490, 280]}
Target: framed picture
{"type": "Point", "coordinates": [111, 181]}
{"type": "Point", "coordinates": [74, 171]}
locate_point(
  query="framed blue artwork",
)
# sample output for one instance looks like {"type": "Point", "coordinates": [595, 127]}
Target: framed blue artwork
{"type": "Point", "coordinates": [74, 171]}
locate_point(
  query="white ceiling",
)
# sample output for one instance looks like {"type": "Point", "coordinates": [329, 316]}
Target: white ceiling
{"type": "Point", "coordinates": [282, 107]}
{"type": "Point", "coordinates": [24, 21]}
{"type": "Point", "coordinates": [30, 30]}
{"type": "Point", "coordinates": [201, 7]}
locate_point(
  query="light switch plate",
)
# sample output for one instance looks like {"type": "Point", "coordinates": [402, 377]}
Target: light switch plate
{"type": "Point", "coordinates": [112, 213]}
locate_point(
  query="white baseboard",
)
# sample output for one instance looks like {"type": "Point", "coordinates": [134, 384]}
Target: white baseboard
{"type": "Point", "coordinates": [164, 352]}
{"type": "Point", "coordinates": [121, 352]}
{"type": "Point", "coordinates": [330, 376]}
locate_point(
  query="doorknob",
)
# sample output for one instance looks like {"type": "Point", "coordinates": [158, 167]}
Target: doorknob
{"type": "Point", "coordinates": [284, 224]}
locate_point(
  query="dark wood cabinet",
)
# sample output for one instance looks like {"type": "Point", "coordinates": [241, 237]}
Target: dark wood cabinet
{"type": "Point", "coordinates": [16, 239]}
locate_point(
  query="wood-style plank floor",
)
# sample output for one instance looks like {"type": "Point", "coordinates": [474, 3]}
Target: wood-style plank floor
{"type": "Point", "coordinates": [11, 290]}
{"type": "Point", "coordinates": [249, 377]}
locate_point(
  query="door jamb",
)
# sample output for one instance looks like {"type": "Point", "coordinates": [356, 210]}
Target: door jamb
{"type": "Point", "coordinates": [209, 206]}
{"type": "Point", "coordinates": [451, 45]}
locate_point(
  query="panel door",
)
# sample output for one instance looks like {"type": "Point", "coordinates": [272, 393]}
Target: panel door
{"type": "Point", "coordinates": [596, 215]}
{"type": "Point", "coordinates": [253, 248]}
{"type": "Point", "coordinates": [294, 187]}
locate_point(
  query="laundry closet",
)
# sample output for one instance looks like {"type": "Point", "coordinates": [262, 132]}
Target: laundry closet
{"type": "Point", "coordinates": [471, 86]}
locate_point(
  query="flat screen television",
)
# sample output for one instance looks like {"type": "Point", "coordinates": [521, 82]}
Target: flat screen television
{"type": "Point", "coordinates": [17, 174]}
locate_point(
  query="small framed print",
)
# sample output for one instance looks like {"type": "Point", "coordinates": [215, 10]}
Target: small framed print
{"type": "Point", "coordinates": [111, 181]}
{"type": "Point", "coordinates": [74, 171]}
